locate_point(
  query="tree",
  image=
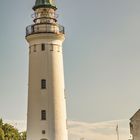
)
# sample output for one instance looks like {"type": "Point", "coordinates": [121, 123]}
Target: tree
{"type": "Point", "coordinates": [1, 134]}
{"type": "Point", "coordinates": [23, 136]}
{"type": "Point", "coordinates": [8, 132]}
{"type": "Point", "coordinates": [1, 123]}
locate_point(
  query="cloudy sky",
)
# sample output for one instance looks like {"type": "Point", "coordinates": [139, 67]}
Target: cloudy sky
{"type": "Point", "coordinates": [98, 131]}
{"type": "Point", "coordinates": [101, 58]}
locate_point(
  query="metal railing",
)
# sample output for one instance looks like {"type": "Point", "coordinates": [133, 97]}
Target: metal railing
{"type": "Point", "coordinates": [44, 28]}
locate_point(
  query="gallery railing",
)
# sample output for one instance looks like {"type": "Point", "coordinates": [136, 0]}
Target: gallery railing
{"type": "Point", "coordinates": [44, 28]}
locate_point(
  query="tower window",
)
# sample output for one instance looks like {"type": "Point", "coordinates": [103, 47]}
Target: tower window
{"type": "Point", "coordinates": [43, 114]}
{"type": "Point", "coordinates": [34, 48]}
{"type": "Point", "coordinates": [51, 48]}
{"type": "Point", "coordinates": [58, 49]}
{"type": "Point", "coordinates": [43, 84]}
{"type": "Point", "coordinates": [29, 50]}
{"type": "Point", "coordinates": [43, 132]}
{"type": "Point", "coordinates": [42, 47]}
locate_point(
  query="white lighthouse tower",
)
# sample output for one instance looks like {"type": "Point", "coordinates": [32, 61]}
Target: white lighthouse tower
{"type": "Point", "coordinates": [46, 118]}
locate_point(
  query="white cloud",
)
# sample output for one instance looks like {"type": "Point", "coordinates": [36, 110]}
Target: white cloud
{"type": "Point", "coordinates": [98, 131]}
{"type": "Point", "coordinates": [89, 131]}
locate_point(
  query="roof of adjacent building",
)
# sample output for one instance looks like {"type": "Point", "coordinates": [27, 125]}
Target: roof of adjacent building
{"type": "Point", "coordinates": [136, 116]}
{"type": "Point", "coordinates": [44, 3]}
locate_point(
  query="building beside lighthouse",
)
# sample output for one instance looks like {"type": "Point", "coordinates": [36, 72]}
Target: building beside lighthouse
{"type": "Point", "coordinates": [135, 126]}
{"type": "Point", "coordinates": [46, 117]}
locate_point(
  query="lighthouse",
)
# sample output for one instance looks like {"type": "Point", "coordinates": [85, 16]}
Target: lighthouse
{"type": "Point", "coordinates": [46, 115]}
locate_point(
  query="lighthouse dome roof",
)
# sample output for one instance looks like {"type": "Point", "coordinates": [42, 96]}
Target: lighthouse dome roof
{"type": "Point", "coordinates": [44, 3]}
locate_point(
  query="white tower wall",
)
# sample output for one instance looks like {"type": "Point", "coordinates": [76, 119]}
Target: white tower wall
{"type": "Point", "coordinates": [46, 64]}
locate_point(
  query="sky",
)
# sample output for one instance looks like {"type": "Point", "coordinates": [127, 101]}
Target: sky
{"type": "Point", "coordinates": [101, 58]}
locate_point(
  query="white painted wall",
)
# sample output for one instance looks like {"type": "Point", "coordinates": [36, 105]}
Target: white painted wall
{"type": "Point", "coordinates": [47, 65]}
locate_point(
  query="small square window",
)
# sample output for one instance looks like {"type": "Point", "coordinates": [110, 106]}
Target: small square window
{"type": "Point", "coordinates": [43, 132]}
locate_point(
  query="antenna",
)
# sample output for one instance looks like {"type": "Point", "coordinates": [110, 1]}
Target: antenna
{"type": "Point", "coordinates": [117, 132]}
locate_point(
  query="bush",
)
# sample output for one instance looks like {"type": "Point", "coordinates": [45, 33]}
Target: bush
{"type": "Point", "coordinates": [8, 132]}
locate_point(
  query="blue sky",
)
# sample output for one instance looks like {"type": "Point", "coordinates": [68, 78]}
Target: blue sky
{"type": "Point", "coordinates": [101, 58]}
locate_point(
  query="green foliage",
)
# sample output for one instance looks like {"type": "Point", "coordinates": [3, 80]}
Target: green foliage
{"type": "Point", "coordinates": [23, 136]}
{"type": "Point", "coordinates": [8, 132]}
{"type": "Point", "coordinates": [1, 123]}
{"type": "Point", "coordinates": [1, 134]}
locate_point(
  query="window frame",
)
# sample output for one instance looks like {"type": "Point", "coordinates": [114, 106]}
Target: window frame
{"type": "Point", "coordinates": [43, 132]}
{"type": "Point", "coordinates": [43, 83]}
{"type": "Point", "coordinates": [43, 47]}
{"type": "Point", "coordinates": [43, 115]}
